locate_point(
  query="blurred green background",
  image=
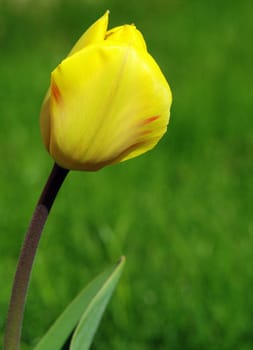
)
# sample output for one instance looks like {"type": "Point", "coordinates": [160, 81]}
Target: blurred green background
{"type": "Point", "coordinates": [182, 214]}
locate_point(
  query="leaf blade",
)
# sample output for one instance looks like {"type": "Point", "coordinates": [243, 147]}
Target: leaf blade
{"type": "Point", "coordinates": [59, 332]}
{"type": "Point", "coordinates": [89, 322]}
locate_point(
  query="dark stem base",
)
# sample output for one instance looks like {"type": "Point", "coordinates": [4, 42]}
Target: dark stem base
{"type": "Point", "coordinates": [26, 259]}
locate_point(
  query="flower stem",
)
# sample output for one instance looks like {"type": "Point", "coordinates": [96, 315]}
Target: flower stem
{"type": "Point", "coordinates": [26, 258]}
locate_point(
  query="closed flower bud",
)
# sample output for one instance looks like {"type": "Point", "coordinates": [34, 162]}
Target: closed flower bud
{"type": "Point", "coordinates": [108, 100]}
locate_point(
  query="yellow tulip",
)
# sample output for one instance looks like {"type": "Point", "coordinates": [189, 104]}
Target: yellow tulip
{"type": "Point", "coordinates": [108, 100]}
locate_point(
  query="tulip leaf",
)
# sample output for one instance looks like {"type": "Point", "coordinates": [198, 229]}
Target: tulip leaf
{"type": "Point", "coordinates": [88, 307]}
{"type": "Point", "coordinates": [89, 322]}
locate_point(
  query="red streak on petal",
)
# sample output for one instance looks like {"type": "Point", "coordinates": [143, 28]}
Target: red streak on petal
{"type": "Point", "coordinates": [151, 119]}
{"type": "Point", "coordinates": [56, 92]}
{"type": "Point", "coordinates": [145, 132]}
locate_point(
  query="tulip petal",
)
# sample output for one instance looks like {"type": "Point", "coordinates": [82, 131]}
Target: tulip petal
{"type": "Point", "coordinates": [126, 35]}
{"type": "Point", "coordinates": [108, 104]}
{"type": "Point", "coordinates": [45, 120]}
{"type": "Point", "coordinates": [94, 34]}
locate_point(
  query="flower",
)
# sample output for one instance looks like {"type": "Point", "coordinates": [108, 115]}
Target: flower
{"type": "Point", "coordinates": [108, 100]}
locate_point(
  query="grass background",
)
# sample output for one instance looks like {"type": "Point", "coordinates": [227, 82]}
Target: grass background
{"type": "Point", "coordinates": [182, 214]}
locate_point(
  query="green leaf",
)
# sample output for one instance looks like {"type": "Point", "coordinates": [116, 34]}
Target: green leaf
{"type": "Point", "coordinates": [88, 306]}
{"type": "Point", "coordinates": [89, 322]}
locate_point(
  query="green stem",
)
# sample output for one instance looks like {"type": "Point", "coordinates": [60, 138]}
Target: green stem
{"type": "Point", "coordinates": [26, 258]}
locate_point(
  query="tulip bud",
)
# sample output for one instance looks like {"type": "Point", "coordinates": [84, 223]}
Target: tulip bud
{"type": "Point", "coordinates": [108, 100]}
